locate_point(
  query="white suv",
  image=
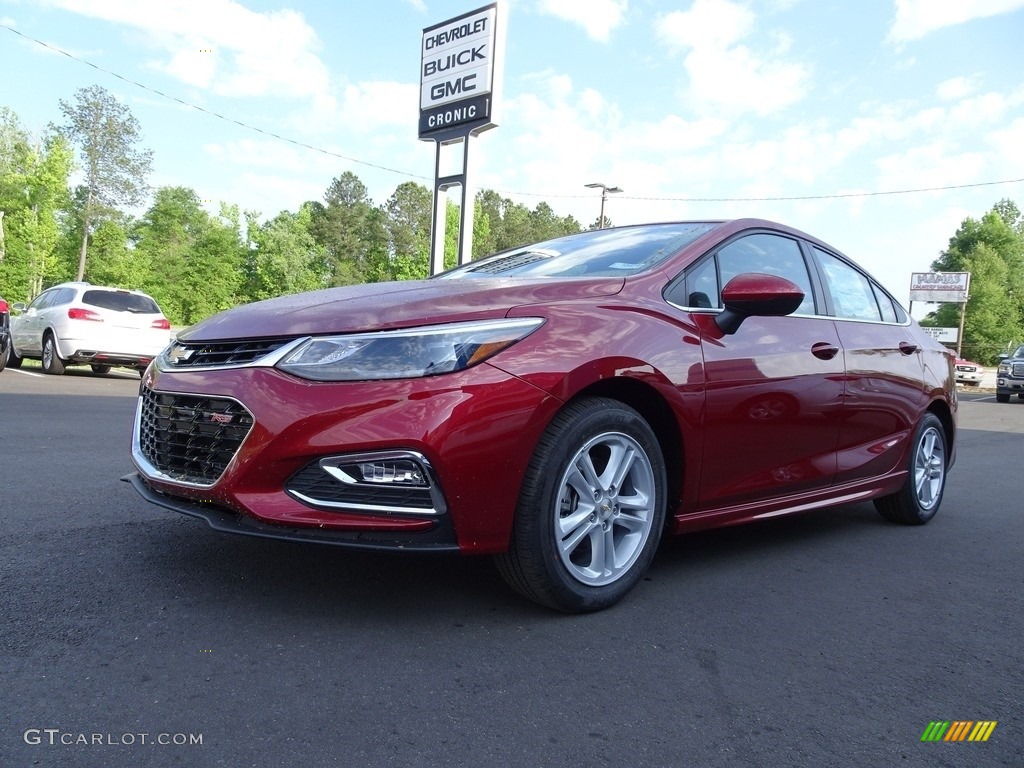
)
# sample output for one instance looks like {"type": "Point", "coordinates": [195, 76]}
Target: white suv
{"type": "Point", "coordinates": [75, 323]}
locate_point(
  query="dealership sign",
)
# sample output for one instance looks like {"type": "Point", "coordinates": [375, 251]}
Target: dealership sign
{"type": "Point", "coordinates": [943, 287]}
{"type": "Point", "coordinates": [458, 59]}
{"type": "Point", "coordinates": [947, 335]}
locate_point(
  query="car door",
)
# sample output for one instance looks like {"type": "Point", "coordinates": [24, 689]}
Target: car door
{"type": "Point", "coordinates": [884, 371]}
{"type": "Point", "coordinates": [28, 329]}
{"type": "Point", "coordinates": [774, 389]}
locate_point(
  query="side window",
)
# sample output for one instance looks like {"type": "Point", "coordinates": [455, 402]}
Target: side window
{"type": "Point", "coordinates": [64, 296]}
{"type": "Point", "coordinates": [885, 305]}
{"type": "Point", "coordinates": [770, 255]}
{"type": "Point", "coordinates": [851, 291]}
{"type": "Point", "coordinates": [702, 286]}
{"type": "Point", "coordinates": [43, 300]}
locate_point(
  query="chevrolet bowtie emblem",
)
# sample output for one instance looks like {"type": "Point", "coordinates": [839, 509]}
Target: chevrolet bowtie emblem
{"type": "Point", "coordinates": [180, 354]}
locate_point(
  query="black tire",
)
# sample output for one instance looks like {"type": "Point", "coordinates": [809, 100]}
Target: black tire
{"type": "Point", "coordinates": [4, 355]}
{"type": "Point", "coordinates": [563, 518]}
{"type": "Point", "coordinates": [1020, 395]}
{"type": "Point", "coordinates": [100, 369]}
{"type": "Point", "coordinates": [52, 363]}
{"type": "Point", "coordinates": [1001, 398]}
{"type": "Point", "coordinates": [918, 500]}
{"type": "Point", "coordinates": [13, 361]}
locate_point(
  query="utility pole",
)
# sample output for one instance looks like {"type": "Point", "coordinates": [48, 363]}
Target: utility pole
{"type": "Point", "coordinates": [605, 189]}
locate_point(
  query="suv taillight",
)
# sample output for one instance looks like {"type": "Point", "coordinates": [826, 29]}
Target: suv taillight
{"type": "Point", "coordinates": [3, 307]}
{"type": "Point", "coordinates": [161, 324]}
{"type": "Point", "coordinates": [77, 313]}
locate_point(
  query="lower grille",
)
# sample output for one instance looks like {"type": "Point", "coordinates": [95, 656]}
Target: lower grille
{"type": "Point", "coordinates": [191, 438]}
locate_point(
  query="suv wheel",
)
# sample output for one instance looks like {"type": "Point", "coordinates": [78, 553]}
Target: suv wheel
{"type": "Point", "coordinates": [52, 363]}
{"type": "Point", "coordinates": [1002, 398]}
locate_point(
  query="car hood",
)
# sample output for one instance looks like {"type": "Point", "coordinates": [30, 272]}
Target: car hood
{"type": "Point", "coordinates": [376, 306]}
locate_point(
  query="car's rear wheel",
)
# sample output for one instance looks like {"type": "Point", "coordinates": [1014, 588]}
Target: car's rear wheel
{"type": "Point", "coordinates": [918, 500]}
{"type": "Point", "coordinates": [591, 509]}
{"type": "Point", "coordinates": [100, 369]}
{"type": "Point", "coordinates": [1002, 398]}
{"type": "Point", "coordinates": [1020, 395]}
{"type": "Point", "coordinates": [52, 363]}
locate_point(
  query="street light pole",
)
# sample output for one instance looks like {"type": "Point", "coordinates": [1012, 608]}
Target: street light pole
{"type": "Point", "coordinates": [605, 189]}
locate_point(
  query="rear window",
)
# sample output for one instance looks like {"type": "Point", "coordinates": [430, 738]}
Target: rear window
{"type": "Point", "coordinates": [121, 301]}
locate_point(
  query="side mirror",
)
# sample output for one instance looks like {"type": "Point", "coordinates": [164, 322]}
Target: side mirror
{"type": "Point", "coordinates": [1004, 355]}
{"type": "Point", "coordinates": [756, 295]}
{"type": "Point", "coordinates": [18, 306]}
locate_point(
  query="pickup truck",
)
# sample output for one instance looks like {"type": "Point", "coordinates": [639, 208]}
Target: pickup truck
{"type": "Point", "coordinates": [1010, 376]}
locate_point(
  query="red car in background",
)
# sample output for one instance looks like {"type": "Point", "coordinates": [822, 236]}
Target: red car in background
{"type": "Point", "coordinates": [559, 406]}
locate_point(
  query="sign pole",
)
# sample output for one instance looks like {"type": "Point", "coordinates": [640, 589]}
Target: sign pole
{"type": "Point", "coordinates": [460, 79]}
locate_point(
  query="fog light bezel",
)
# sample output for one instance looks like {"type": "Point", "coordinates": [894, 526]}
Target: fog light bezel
{"type": "Point", "coordinates": [333, 466]}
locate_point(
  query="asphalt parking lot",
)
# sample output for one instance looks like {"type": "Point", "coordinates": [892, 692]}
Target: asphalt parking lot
{"type": "Point", "coordinates": [831, 639]}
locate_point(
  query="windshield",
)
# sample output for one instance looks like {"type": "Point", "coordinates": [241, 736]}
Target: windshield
{"type": "Point", "coordinates": [597, 253]}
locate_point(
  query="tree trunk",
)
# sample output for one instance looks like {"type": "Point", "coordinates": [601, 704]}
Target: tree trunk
{"type": "Point", "coordinates": [85, 238]}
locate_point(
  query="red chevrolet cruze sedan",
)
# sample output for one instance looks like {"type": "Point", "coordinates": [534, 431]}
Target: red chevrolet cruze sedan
{"type": "Point", "coordinates": [559, 406]}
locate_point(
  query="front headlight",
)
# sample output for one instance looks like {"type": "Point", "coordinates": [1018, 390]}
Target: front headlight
{"type": "Point", "coordinates": [406, 353]}
{"type": "Point", "coordinates": [1003, 370]}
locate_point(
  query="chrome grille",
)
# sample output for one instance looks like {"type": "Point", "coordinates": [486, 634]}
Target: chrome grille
{"type": "Point", "coordinates": [1017, 370]}
{"type": "Point", "coordinates": [184, 354]}
{"type": "Point", "coordinates": [191, 438]}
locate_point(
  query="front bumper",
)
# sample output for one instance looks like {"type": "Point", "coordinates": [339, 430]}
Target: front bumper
{"type": "Point", "coordinates": [476, 430]}
{"type": "Point", "coordinates": [1008, 386]}
{"type": "Point", "coordinates": [439, 538]}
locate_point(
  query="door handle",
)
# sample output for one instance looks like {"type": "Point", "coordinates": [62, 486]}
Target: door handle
{"type": "Point", "coordinates": [824, 350]}
{"type": "Point", "coordinates": [907, 348]}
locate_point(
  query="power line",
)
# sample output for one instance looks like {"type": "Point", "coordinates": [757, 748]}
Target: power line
{"type": "Point", "coordinates": [321, 150]}
{"type": "Point", "coordinates": [211, 112]}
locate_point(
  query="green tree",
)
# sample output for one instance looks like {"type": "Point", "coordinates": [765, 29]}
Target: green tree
{"type": "Point", "coordinates": [114, 262]}
{"type": "Point", "coordinates": [195, 259]}
{"type": "Point", "coordinates": [407, 222]}
{"type": "Point", "coordinates": [283, 257]}
{"type": "Point", "coordinates": [33, 195]}
{"type": "Point", "coordinates": [115, 168]}
{"type": "Point", "coordinates": [340, 225]}
{"type": "Point", "coordinates": [992, 250]}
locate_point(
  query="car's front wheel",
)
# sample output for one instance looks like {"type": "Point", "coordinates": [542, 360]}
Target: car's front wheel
{"type": "Point", "coordinates": [591, 509]}
{"type": "Point", "coordinates": [1002, 398]}
{"type": "Point", "coordinates": [918, 500]}
{"type": "Point", "coordinates": [100, 369]}
{"type": "Point", "coordinates": [51, 357]}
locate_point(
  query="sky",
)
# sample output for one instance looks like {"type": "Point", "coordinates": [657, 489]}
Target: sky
{"type": "Point", "coordinates": [696, 109]}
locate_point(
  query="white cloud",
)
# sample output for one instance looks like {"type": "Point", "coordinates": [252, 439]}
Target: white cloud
{"type": "Point", "coordinates": [955, 88]}
{"type": "Point", "coordinates": [1008, 146]}
{"type": "Point", "coordinates": [598, 17]}
{"type": "Point", "coordinates": [251, 54]}
{"type": "Point", "coordinates": [723, 72]}
{"type": "Point", "coordinates": [917, 18]}
{"type": "Point", "coordinates": [417, 5]}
